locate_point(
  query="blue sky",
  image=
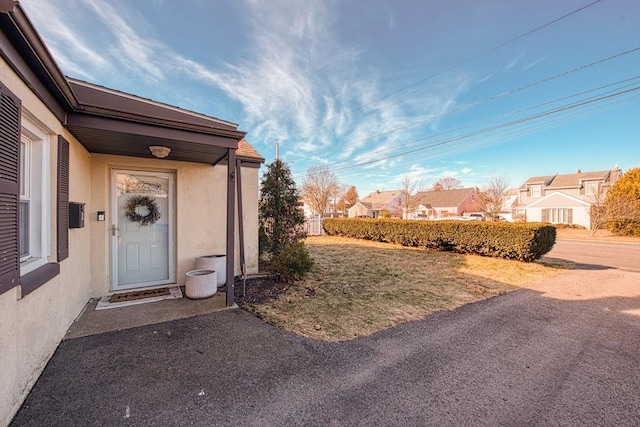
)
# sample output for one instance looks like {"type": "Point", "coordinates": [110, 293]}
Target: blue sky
{"type": "Point", "coordinates": [377, 90]}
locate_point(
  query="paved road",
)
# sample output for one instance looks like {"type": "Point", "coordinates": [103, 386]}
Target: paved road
{"type": "Point", "coordinates": [565, 353]}
{"type": "Point", "coordinates": [607, 254]}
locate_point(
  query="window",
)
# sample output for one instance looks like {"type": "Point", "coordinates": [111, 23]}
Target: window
{"type": "Point", "coordinates": [35, 211]}
{"type": "Point", "coordinates": [536, 190]}
{"type": "Point", "coordinates": [557, 216]}
{"type": "Point", "coordinates": [591, 188]}
{"type": "Point", "coordinates": [25, 146]}
{"type": "Point", "coordinates": [24, 196]}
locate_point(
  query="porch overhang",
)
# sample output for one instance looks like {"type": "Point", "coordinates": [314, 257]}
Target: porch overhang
{"type": "Point", "coordinates": [108, 121]}
{"type": "Point", "coordinates": [124, 138]}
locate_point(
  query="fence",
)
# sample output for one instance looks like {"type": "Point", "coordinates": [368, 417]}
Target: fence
{"type": "Point", "coordinates": [313, 227]}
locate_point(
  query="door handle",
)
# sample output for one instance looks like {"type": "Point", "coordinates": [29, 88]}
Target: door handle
{"type": "Point", "coordinates": [114, 229]}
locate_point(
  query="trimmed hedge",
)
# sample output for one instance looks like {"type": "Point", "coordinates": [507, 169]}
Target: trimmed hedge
{"type": "Point", "coordinates": [624, 227]}
{"type": "Point", "coordinates": [519, 241]}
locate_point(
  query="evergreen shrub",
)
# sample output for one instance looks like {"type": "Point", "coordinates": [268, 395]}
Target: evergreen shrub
{"type": "Point", "coordinates": [519, 241]}
{"type": "Point", "coordinates": [292, 263]}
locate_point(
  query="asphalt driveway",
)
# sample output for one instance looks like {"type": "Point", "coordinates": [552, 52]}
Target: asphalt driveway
{"type": "Point", "coordinates": [621, 255]}
{"type": "Point", "coordinates": [565, 353]}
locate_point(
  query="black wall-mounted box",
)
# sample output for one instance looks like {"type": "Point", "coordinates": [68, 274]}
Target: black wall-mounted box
{"type": "Point", "coordinates": [76, 215]}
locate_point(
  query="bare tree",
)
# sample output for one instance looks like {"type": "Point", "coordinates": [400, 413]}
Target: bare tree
{"type": "Point", "coordinates": [409, 187]}
{"type": "Point", "coordinates": [335, 198]}
{"type": "Point", "coordinates": [446, 183]}
{"type": "Point", "coordinates": [491, 196]}
{"type": "Point", "coordinates": [319, 187]}
{"type": "Point", "coordinates": [597, 210]}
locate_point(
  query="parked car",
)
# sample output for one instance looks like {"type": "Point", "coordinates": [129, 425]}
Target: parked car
{"type": "Point", "coordinates": [455, 218]}
{"type": "Point", "coordinates": [478, 216]}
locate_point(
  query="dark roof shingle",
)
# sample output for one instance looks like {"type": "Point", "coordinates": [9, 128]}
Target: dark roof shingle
{"type": "Point", "coordinates": [444, 198]}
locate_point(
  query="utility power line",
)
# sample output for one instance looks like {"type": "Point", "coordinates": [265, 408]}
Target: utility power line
{"type": "Point", "coordinates": [446, 70]}
{"type": "Point", "coordinates": [568, 107]}
{"type": "Point", "coordinates": [491, 98]}
{"type": "Point", "coordinates": [492, 128]}
{"type": "Point", "coordinates": [408, 144]}
{"type": "Point", "coordinates": [535, 126]}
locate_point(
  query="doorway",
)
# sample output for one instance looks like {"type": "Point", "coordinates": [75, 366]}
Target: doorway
{"type": "Point", "coordinates": [142, 229]}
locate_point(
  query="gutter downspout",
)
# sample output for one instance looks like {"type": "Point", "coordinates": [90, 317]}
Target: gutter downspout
{"type": "Point", "coordinates": [231, 219]}
{"type": "Point", "coordinates": [243, 264]}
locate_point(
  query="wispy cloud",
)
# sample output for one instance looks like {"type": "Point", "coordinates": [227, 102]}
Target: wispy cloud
{"type": "Point", "coordinates": [532, 64]}
{"type": "Point", "coordinates": [298, 80]}
{"type": "Point", "coordinates": [138, 54]}
{"type": "Point", "coordinates": [66, 42]}
{"type": "Point", "coordinates": [98, 41]}
{"type": "Point", "coordinates": [392, 22]}
{"type": "Point", "coordinates": [293, 76]}
{"type": "Point", "coordinates": [511, 63]}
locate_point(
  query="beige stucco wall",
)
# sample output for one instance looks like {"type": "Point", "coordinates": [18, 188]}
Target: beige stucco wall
{"type": "Point", "coordinates": [200, 214]}
{"type": "Point", "coordinates": [31, 327]}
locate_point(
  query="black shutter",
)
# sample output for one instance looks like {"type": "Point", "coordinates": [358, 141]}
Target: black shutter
{"type": "Point", "coordinates": [63, 199]}
{"type": "Point", "coordinates": [9, 189]}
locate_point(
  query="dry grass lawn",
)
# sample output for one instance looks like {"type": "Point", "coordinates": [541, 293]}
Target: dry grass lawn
{"type": "Point", "coordinates": [359, 287]}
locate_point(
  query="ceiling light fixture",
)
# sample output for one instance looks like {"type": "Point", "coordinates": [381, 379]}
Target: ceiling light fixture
{"type": "Point", "coordinates": [160, 151]}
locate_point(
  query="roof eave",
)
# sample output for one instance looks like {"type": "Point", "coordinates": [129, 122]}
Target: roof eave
{"type": "Point", "coordinates": [39, 56]}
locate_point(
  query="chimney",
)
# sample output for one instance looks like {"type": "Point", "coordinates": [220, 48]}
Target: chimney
{"type": "Point", "coordinates": [615, 173]}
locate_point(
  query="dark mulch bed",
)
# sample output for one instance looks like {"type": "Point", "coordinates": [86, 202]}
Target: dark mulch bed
{"type": "Point", "coordinates": [259, 290]}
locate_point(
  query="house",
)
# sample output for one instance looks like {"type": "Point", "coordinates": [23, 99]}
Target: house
{"type": "Point", "coordinates": [330, 211]}
{"type": "Point", "coordinates": [443, 204]}
{"type": "Point", "coordinates": [378, 201]}
{"type": "Point", "coordinates": [564, 199]}
{"type": "Point", "coordinates": [509, 204]}
{"type": "Point", "coordinates": [102, 191]}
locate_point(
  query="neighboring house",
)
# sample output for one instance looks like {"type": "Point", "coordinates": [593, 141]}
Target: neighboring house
{"type": "Point", "coordinates": [374, 203]}
{"type": "Point", "coordinates": [327, 213]}
{"type": "Point", "coordinates": [564, 199]}
{"type": "Point", "coordinates": [308, 212]}
{"type": "Point", "coordinates": [73, 158]}
{"type": "Point", "coordinates": [332, 212]}
{"type": "Point", "coordinates": [443, 204]}
{"type": "Point", "coordinates": [509, 204]}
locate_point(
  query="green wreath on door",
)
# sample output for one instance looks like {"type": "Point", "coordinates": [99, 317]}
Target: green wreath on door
{"type": "Point", "coordinates": [131, 210]}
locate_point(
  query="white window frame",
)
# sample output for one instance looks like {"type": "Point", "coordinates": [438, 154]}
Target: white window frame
{"type": "Point", "coordinates": [37, 190]}
{"type": "Point", "coordinates": [591, 188]}
{"type": "Point", "coordinates": [536, 190]}
{"type": "Point", "coordinates": [558, 215]}
{"type": "Point", "coordinates": [25, 192]}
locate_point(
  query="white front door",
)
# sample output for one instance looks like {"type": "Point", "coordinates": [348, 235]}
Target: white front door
{"type": "Point", "coordinates": [142, 244]}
